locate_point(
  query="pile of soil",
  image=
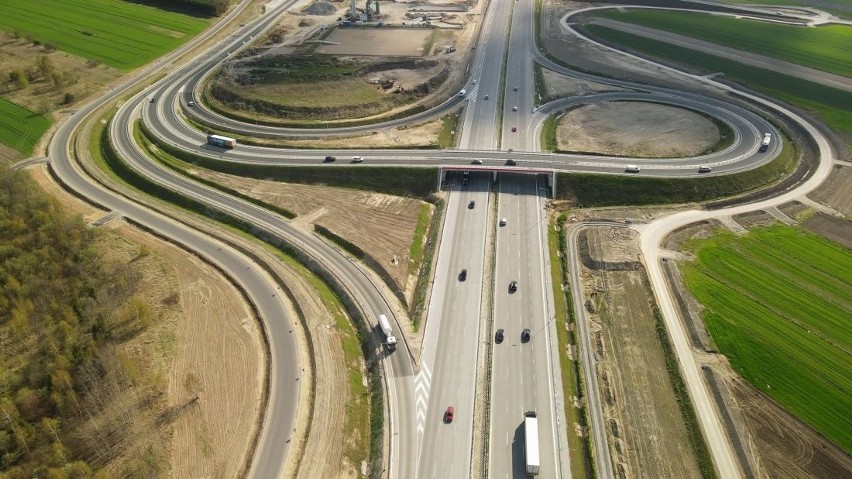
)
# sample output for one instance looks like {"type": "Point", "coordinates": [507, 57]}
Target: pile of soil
{"type": "Point", "coordinates": [321, 8]}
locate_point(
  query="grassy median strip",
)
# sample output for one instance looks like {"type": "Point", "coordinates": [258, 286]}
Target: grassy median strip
{"type": "Point", "coordinates": [578, 446]}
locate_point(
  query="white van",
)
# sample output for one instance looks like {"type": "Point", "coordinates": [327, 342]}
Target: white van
{"type": "Point", "coordinates": [632, 169]}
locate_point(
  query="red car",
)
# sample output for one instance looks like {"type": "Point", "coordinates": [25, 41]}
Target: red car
{"type": "Point", "coordinates": [448, 416]}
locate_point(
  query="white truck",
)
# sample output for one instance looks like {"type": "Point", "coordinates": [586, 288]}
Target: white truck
{"type": "Point", "coordinates": [531, 443]}
{"type": "Point", "coordinates": [767, 139]}
{"type": "Point", "coordinates": [221, 141]}
{"type": "Point", "coordinates": [390, 339]}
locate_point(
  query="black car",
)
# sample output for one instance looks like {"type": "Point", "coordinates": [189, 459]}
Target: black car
{"type": "Point", "coordinates": [525, 336]}
{"type": "Point", "coordinates": [471, 205]}
{"type": "Point", "coordinates": [513, 286]}
{"type": "Point", "coordinates": [498, 338]}
{"type": "Point", "coordinates": [511, 162]}
{"type": "Point", "coordinates": [463, 275]}
{"type": "Point", "coordinates": [329, 159]}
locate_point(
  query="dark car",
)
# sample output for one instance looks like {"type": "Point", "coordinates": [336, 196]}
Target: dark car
{"type": "Point", "coordinates": [471, 205]}
{"type": "Point", "coordinates": [449, 415]}
{"type": "Point", "coordinates": [463, 275]}
{"type": "Point", "coordinates": [514, 129]}
{"type": "Point", "coordinates": [525, 336]}
{"type": "Point", "coordinates": [513, 286]}
{"type": "Point", "coordinates": [498, 338]}
{"type": "Point", "coordinates": [511, 162]}
{"type": "Point", "coordinates": [329, 159]}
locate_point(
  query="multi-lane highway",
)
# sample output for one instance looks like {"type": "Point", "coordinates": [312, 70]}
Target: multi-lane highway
{"type": "Point", "coordinates": [523, 375]}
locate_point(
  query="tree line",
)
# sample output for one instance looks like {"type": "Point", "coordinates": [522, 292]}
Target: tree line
{"type": "Point", "coordinates": [193, 7]}
{"type": "Point", "coordinates": [62, 310]}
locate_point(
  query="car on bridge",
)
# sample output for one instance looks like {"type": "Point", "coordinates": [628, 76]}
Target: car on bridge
{"type": "Point", "coordinates": [449, 415]}
{"type": "Point", "coordinates": [525, 335]}
{"type": "Point", "coordinates": [498, 338]}
{"type": "Point", "coordinates": [513, 286]}
{"type": "Point", "coordinates": [502, 221]}
{"type": "Point", "coordinates": [463, 275]}
{"type": "Point", "coordinates": [471, 205]}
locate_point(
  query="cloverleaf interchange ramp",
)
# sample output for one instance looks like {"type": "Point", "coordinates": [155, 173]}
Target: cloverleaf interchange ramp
{"type": "Point", "coordinates": [163, 120]}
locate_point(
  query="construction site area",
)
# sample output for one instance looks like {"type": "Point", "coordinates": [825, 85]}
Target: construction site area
{"type": "Point", "coordinates": [648, 435]}
{"type": "Point", "coordinates": [388, 58]}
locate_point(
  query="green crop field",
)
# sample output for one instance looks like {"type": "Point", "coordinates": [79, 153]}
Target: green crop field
{"type": "Point", "coordinates": [833, 105]}
{"type": "Point", "coordinates": [120, 34]}
{"type": "Point", "coordinates": [21, 128]}
{"type": "Point", "coordinates": [827, 48]}
{"type": "Point", "coordinates": [779, 306]}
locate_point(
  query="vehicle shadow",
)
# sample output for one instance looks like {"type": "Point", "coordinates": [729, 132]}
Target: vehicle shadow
{"type": "Point", "coordinates": [519, 465]}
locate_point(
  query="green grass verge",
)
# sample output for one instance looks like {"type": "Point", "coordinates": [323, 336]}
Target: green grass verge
{"type": "Point", "coordinates": [684, 402]}
{"type": "Point", "coordinates": [415, 182]}
{"type": "Point", "coordinates": [579, 447]}
{"type": "Point", "coordinates": [416, 252]}
{"type": "Point", "coordinates": [778, 303]}
{"type": "Point", "coordinates": [120, 34]}
{"type": "Point", "coordinates": [825, 48]}
{"type": "Point", "coordinates": [21, 128]}
{"type": "Point", "coordinates": [548, 132]}
{"type": "Point", "coordinates": [588, 190]}
{"type": "Point", "coordinates": [832, 105]}
{"type": "Point", "coordinates": [447, 136]}
{"type": "Point", "coordinates": [418, 303]}
{"type": "Point", "coordinates": [358, 402]}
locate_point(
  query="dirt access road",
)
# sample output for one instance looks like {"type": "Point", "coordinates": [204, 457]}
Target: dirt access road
{"type": "Point", "coordinates": [647, 436]}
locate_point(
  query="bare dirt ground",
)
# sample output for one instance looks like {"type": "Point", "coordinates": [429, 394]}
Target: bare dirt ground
{"type": "Point", "coordinates": [786, 447]}
{"type": "Point", "coordinates": [795, 210]}
{"type": "Point", "coordinates": [381, 225]}
{"type": "Point", "coordinates": [647, 435]}
{"type": "Point", "coordinates": [636, 129]}
{"type": "Point", "coordinates": [422, 135]}
{"type": "Point", "coordinates": [754, 219]}
{"type": "Point", "coordinates": [205, 420]}
{"type": "Point", "coordinates": [80, 77]}
{"type": "Point", "coordinates": [835, 190]}
{"type": "Point", "coordinates": [8, 155]}
{"type": "Point", "coordinates": [836, 229]}
{"type": "Point", "coordinates": [380, 41]}
{"type": "Point", "coordinates": [558, 86]}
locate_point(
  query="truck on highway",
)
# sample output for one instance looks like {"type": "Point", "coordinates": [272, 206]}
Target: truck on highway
{"type": "Point", "coordinates": [531, 443]}
{"type": "Point", "coordinates": [390, 339]}
{"type": "Point", "coordinates": [221, 141]}
{"type": "Point", "coordinates": [767, 139]}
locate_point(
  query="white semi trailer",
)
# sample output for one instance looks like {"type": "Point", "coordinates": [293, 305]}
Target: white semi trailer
{"type": "Point", "coordinates": [533, 461]}
{"type": "Point", "coordinates": [390, 339]}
